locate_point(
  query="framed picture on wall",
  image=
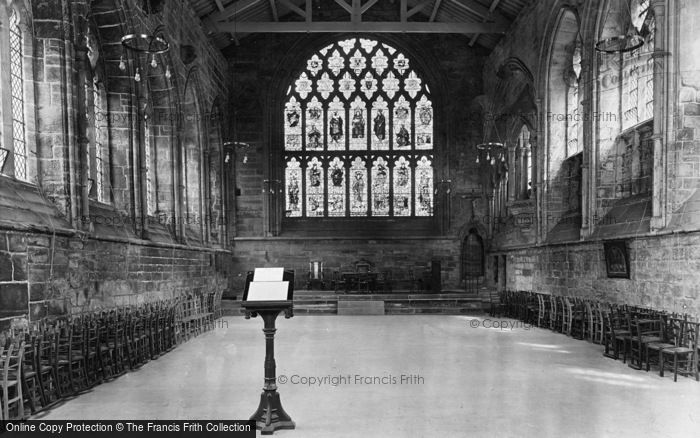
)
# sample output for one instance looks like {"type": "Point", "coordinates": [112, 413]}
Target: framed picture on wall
{"type": "Point", "coordinates": [617, 260]}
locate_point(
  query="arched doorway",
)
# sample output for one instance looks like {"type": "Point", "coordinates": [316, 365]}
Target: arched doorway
{"type": "Point", "coordinates": [472, 261]}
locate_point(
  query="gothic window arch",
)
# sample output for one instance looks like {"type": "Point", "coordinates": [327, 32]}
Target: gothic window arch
{"type": "Point", "coordinates": [358, 135]}
{"type": "Point", "coordinates": [97, 114]}
{"type": "Point", "coordinates": [574, 92]}
{"type": "Point", "coordinates": [627, 80]}
{"type": "Point", "coordinates": [191, 156]}
{"type": "Point", "coordinates": [523, 174]}
{"type": "Point", "coordinates": [17, 150]}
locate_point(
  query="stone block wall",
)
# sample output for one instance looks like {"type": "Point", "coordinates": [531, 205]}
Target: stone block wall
{"type": "Point", "coordinates": [61, 255]}
{"type": "Point", "coordinates": [48, 275]}
{"type": "Point", "coordinates": [664, 272]}
{"type": "Point", "coordinates": [400, 256]}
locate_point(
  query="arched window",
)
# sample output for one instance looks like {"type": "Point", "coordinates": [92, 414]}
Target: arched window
{"type": "Point", "coordinates": [358, 135]}
{"type": "Point", "coordinates": [574, 121]}
{"type": "Point", "coordinates": [523, 153]}
{"type": "Point", "coordinates": [626, 81]}
{"type": "Point", "coordinates": [13, 157]}
{"type": "Point", "coordinates": [191, 156]}
{"type": "Point", "coordinates": [97, 160]}
{"type": "Point", "coordinates": [150, 160]}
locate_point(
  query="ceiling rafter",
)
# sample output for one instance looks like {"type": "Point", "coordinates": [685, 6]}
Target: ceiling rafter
{"type": "Point", "coordinates": [273, 9]}
{"type": "Point", "coordinates": [419, 7]}
{"type": "Point", "coordinates": [435, 10]}
{"type": "Point", "coordinates": [484, 13]}
{"type": "Point", "coordinates": [494, 4]}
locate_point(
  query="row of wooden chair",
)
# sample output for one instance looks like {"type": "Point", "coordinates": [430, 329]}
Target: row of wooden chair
{"type": "Point", "coordinates": [646, 336]}
{"type": "Point", "coordinates": [667, 341]}
{"type": "Point", "coordinates": [49, 360]}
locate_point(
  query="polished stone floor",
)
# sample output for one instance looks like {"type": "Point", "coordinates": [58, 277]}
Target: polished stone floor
{"type": "Point", "coordinates": [459, 379]}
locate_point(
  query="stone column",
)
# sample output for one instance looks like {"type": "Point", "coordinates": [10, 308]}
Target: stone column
{"type": "Point", "coordinates": [659, 181]}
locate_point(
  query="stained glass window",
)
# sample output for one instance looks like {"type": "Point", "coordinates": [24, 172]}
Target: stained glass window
{"type": "Point", "coordinates": [380, 188]}
{"type": "Point", "coordinates": [336, 188]}
{"type": "Point", "coordinates": [17, 86]}
{"type": "Point", "coordinates": [358, 135]}
{"type": "Point", "coordinates": [358, 188]}
{"type": "Point", "coordinates": [292, 177]}
{"type": "Point", "coordinates": [98, 126]}
{"type": "Point", "coordinates": [314, 188]}
{"type": "Point", "coordinates": [424, 187]}
{"type": "Point", "coordinates": [574, 122]}
{"type": "Point", "coordinates": [150, 177]}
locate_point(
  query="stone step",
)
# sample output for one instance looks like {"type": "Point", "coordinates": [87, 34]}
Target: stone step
{"type": "Point", "coordinates": [347, 307]}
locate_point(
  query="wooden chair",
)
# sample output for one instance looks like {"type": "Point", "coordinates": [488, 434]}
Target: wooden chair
{"type": "Point", "coordinates": [553, 309]}
{"type": "Point", "coordinates": [10, 381]}
{"type": "Point", "coordinates": [47, 366]}
{"type": "Point", "coordinates": [653, 349]}
{"type": "Point", "coordinates": [315, 277]}
{"type": "Point", "coordinates": [644, 331]}
{"type": "Point", "coordinates": [618, 334]}
{"type": "Point", "coordinates": [496, 304]}
{"type": "Point", "coordinates": [31, 387]}
{"type": "Point", "coordinates": [683, 356]}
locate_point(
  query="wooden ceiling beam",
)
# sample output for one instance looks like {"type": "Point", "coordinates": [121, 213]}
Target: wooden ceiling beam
{"type": "Point", "coordinates": [365, 26]}
{"type": "Point", "coordinates": [419, 7]}
{"type": "Point", "coordinates": [273, 9]}
{"type": "Point", "coordinates": [492, 8]}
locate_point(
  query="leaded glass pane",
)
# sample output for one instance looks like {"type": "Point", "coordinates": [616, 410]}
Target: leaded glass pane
{"type": "Point", "coordinates": [292, 178]}
{"type": "Point", "coordinates": [336, 188]}
{"type": "Point", "coordinates": [98, 117]}
{"type": "Point", "coordinates": [358, 62]}
{"type": "Point", "coordinates": [314, 188]}
{"type": "Point", "coordinates": [367, 45]}
{"type": "Point", "coordinates": [402, 188]}
{"type": "Point", "coordinates": [369, 85]}
{"type": "Point", "coordinates": [336, 63]}
{"type": "Point", "coordinates": [336, 125]}
{"type": "Point", "coordinates": [17, 88]}
{"type": "Point", "coordinates": [314, 126]}
{"type": "Point", "coordinates": [424, 187]}
{"type": "Point", "coordinates": [412, 84]}
{"type": "Point", "coordinates": [314, 65]}
{"type": "Point", "coordinates": [292, 125]}
{"type": "Point", "coordinates": [347, 45]}
{"type": "Point", "coordinates": [380, 188]}
{"type": "Point", "coordinates": [325, 86]}
{"type": "Point", "coordinates": [303, 85]}
{"type": "Point", "coordinates": [401, 63]}
{"type": "Point", "coordinates": [390, 85]}
{"type": "Point", "coordinates": [402, 124]}
{"type": "Point", "coordinates": [347, 85]}
{"type": "Point", "coordinates": [380, 125]}
{"type": "Point", "coordinates": [424, 124]}
{"type": "Point", "coordinates": [380, 62]}
{"type": "Point", "coordinates": [358, 125]}
{"type": "Point", "coordinates": [358, 188]}
{"type": "Point", "coordinates": [150, 189]}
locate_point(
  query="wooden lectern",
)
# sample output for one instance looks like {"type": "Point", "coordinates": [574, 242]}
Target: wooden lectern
{"type": "Point", "coordinates": [268, 292]}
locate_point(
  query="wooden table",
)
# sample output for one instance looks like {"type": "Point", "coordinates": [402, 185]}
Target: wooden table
{"type": "Point", "coordinates": [354, 279]}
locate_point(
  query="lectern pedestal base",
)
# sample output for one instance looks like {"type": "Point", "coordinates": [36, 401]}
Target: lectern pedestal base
{"type": "Point", "coordinates": [270, 415]}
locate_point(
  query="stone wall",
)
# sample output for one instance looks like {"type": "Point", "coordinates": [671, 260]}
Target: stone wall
{"type": "Point", "coordinates": [664, 272]}
{"type": "Point", "coordinates": [400, 256]}
{"type": "Point", "coordinates": [61, 253]}
{"type": "Point", "coordinates": [43, 275]}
